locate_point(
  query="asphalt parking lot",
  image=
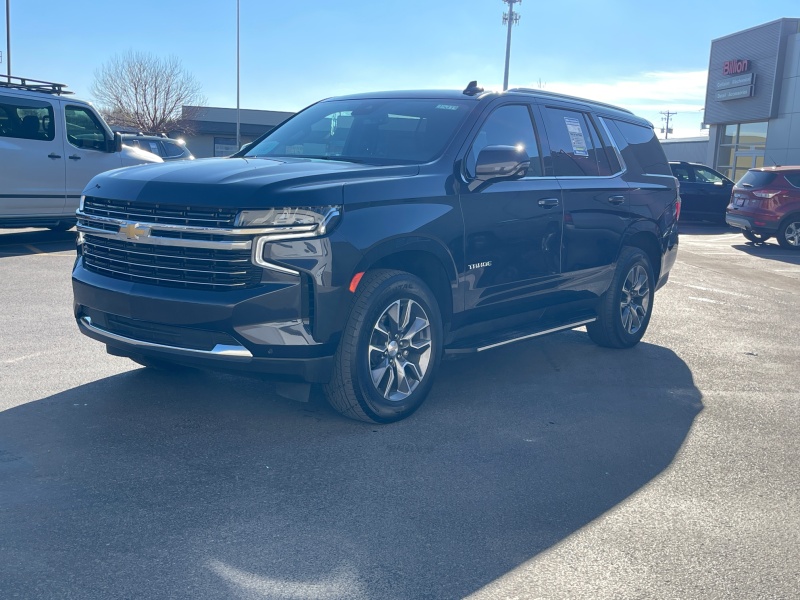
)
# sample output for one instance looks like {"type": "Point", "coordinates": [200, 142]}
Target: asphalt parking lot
{"type": "Point", "coordinates": [548, 469]}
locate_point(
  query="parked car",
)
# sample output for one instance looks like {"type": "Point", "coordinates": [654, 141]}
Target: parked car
{"type": "Point", "coordinates": [766, 203]}
{"type": "Point", "coordinates": [705, 193]}
{"type": "Point", "coordinates": [369, 235]}
{"type": "Point", "coordinates": [160, 145]}
{"type": "Point", "coordinates": [50, 147]}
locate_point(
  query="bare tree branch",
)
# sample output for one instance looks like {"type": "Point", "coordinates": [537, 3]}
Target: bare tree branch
{"type": "Point", "coordinates": [143, 91]}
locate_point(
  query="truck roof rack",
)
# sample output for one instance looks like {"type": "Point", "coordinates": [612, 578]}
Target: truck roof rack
{"type": "Point", "coordinates": [567, 97]}
{"type": "Point", "coordinates": [33, 85]}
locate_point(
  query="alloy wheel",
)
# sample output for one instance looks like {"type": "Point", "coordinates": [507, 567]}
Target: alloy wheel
{"type": "Point", "coordinates": [792, 234]}
{"type": "Point", "coordinates": [635, 299]}
{"type": "Point", "coordinates": [400, 349]}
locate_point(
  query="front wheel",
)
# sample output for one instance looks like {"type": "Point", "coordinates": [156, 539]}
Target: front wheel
{"type": "Point", "coordinates": [623, 313]}
{"type": "Point", "coordinates": [756, 238]}
{"type": "Point", "coordinates": [389, 351]}
{"type": "Point", "coordinates": [789, 233]}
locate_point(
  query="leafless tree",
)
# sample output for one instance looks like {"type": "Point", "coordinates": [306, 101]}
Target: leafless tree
{"type": "Point", "coordinates": [141, 90]}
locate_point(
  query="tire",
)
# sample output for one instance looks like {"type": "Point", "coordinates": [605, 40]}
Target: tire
{"type": "Point", "coordinates": [62, 226]}
{"type": "Point", "coordinates": [756, 238]}
{"type": "Point", "coordinates": [789, 233]}
{"type": "Point", "coordinates": [623, 313]}
{"type": "Point", "coordinates": [394, 328]}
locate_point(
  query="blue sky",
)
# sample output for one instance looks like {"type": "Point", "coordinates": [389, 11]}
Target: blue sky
{"type": "Point", "coordinates": [645, 56]}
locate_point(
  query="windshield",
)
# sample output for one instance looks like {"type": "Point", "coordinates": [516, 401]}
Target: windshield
{"type": "Point", "coordinates": [374, 131]}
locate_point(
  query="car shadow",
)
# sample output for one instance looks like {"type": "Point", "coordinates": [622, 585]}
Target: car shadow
{"type": "Point", "coordinates": [150, 484]}
{"type": "Point", "coordinates": [704, 228]}
{"type": "Point", "coordinates": [19, 242]}
{"type": "Point", "coordinates": [769, 251]}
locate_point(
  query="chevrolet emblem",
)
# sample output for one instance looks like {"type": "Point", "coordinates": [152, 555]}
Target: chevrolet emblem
{"type": "Point", "coordinates": [133, 231]}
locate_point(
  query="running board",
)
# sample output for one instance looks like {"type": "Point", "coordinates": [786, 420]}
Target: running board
{"type": "Point", "coordinates": [510, 337]}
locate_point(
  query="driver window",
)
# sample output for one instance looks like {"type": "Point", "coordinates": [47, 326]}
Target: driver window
{"type": "Point", "coordinates": [83, 129]}
{"type": "Point", "coordinates": [706, 176]}
{"type": "Point", "coordinates": [509, 125]}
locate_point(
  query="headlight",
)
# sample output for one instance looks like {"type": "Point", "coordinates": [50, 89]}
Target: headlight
{"type": "Point", "coordinates": [80, 206]}
{"type": "Point", "coordinates": [307, 217]}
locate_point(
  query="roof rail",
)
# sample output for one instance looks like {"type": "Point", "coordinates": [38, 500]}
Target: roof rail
{"type": "Point", "coordinates": [33, 85]}
{"type": "Point", "coordinates": [557, 95]}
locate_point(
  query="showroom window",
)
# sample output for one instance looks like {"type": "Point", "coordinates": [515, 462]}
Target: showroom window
{"type": "Point", "coordinates": [224, 146]}
{"type": "Point", "coordinates": [741, 147]}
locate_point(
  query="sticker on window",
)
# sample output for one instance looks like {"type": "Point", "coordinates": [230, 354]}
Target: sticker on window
{"type": "Point", "coordinates": [576, 137]}
{"type": "Point", "coordinates": [447, 106]}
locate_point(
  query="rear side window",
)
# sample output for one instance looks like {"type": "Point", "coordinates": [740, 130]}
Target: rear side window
{"type": "Point", "coordinates": [575, 148]}
{"type": "Point", "coordinates": [26, 119]}
{"type": "Point", "coordinates": [681, 172]}
{"type": "Point", "coordinates": [644, 144]}
{"type": "Point", "coordinates": [756, 179]}
{"type": "Point", "coordinates": [793, 179]}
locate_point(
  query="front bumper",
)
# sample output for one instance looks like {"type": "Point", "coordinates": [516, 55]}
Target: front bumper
{"type": "Point", "coordinates": [262, 329]}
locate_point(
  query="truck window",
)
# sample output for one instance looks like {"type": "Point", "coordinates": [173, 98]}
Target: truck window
{"type": "Point", "coordinates": [509, 125]}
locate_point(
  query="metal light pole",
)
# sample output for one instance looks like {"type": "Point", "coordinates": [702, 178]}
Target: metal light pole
{"type": "Point", "coordinates": [8, 39]}
{"type": "Point", "coordinates": [510, 18]}
{"type": "Point", "coordinates": [238, 122]}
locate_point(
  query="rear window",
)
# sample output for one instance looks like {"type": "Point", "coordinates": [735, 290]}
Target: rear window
{"type": "Point", "coordinates": [756, 179]}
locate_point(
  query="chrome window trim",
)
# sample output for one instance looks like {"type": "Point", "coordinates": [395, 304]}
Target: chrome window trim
{"type": "Point", "coordinates": [219, 350]}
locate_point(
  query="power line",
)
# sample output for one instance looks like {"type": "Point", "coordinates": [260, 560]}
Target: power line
{"type": "Point", "coordinates": [510, 18]}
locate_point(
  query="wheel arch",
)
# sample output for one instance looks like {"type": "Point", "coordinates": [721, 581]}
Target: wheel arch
{"type": "Point", "coordinates": [646, 238]}
{"type": "Point", "coordinates": [423, 258]}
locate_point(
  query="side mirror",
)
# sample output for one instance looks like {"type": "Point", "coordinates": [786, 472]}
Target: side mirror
{"type": "Point", "coordinates": [116, 145]}
{"type": "Point", "coordinates": [500, 162]}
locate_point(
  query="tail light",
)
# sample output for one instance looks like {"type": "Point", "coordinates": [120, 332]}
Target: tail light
{"type": "Point", "coordinates": [678, 208]}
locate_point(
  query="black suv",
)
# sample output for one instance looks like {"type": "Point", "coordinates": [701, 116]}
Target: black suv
{"type": "Point", "coordinates": [368, 236]}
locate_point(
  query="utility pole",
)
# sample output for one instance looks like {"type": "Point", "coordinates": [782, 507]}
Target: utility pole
{"type": "Point", "coordinates": [666, 115]}
{"type": "Point", "coordinates": [510, 18]}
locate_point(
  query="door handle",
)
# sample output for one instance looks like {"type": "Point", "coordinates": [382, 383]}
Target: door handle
{"type": "Point", "coordinates": [549, 202]}
{"type": "Point", "coordinates": [74, 157]}
{"type": "Point", "coordinates": [53, 155]}
{"type": "Point", "coordinates": [616, 199]}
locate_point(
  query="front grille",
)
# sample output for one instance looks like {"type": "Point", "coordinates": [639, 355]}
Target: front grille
{"type": "Point", "coordinates": [166, 214]}
{"type": "Point", "coordinates": [170, 266]}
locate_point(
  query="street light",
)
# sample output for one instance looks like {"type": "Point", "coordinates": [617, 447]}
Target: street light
{"type": "Point", "coordinates": [238, 126]}
{"type": "Point", "coordinates": [8, 39]}
{"type": "Point", "coordinates": [510, 18]}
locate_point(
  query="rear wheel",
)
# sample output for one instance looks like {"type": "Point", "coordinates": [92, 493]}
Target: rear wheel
{"type": "Point", "coordinates": [390, 349]}
{"type": "Point", "coordinates": [789, 233]}
{"type": "Point", "coordinates": [624, 311]}
{"type": "Point", "coordinates": [62, 226]}
{"type": "Point", "coordinates": [756, 238]}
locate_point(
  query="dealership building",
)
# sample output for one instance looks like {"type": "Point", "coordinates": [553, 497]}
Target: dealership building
{"type": "Point", "coordinates": [752, 103]}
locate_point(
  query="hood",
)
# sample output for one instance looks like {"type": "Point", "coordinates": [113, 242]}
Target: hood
{"type": "Point", "coordinates": [240, 182]}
